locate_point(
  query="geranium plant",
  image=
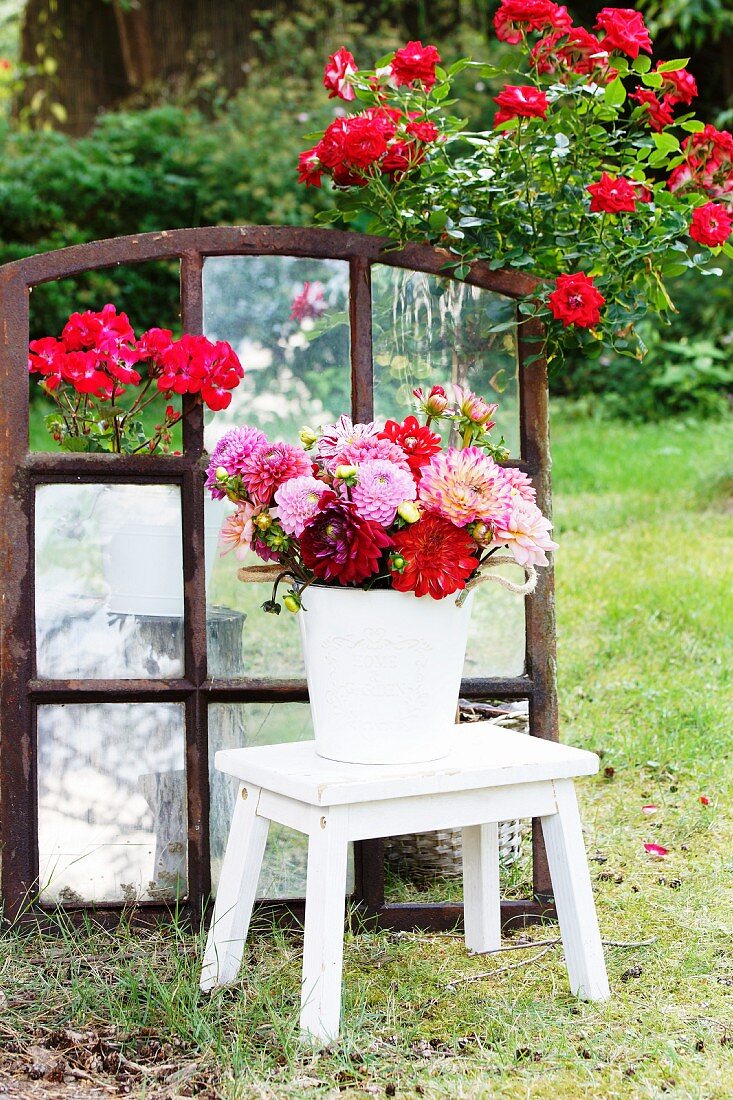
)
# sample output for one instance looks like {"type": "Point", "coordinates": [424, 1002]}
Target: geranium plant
{"type": "Point", "coordinates": [101, 379]}
{"type": "Point", "coordinates": [595, 177]}
{"type": "Point", "coordinates": [386, 506]}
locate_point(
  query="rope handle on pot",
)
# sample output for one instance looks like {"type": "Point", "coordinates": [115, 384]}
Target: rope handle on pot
{"type": "Point", "coordinates": [250, 574]}
{"type": "Point", "coordinates": [530, 578]}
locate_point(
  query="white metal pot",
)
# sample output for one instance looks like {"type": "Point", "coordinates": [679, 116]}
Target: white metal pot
{"type": "Point", "coordinates": [384, 672]}
{"type": "Point", "coordinates": [142, 550]}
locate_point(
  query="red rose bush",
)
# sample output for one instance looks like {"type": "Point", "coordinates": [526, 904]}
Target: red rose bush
{"type": "Point", "coordinates": [101, 377]}
{"type": "Point", "coordinates": [596, 176]}
{"type": "Point", "coordinates": [380, 505]}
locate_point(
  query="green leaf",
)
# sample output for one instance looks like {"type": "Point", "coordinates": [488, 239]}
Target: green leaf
{"type": "Point", "coordinates": [642, 64]}
{"type": "Point", "coordinates": [440, 92]}
{"type": "Point", "coordinates": [615, 93]}
{"type": "Point", "coordinates": [652, 80]}
{"type": "Point", "coordinates": [666, 143]}
{"type": "Point", "coordinates": [673, 66]}
{"type": "Point", "coordinates": [693, 126]}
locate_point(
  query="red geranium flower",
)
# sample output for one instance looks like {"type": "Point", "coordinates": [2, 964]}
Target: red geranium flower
{"type": "Point", "coordinates": [103, 331]}
{"type": "Point", "coordinates": [337, 544]}
{"type": "Point", "coordinates": [659, 112]}
{"type": "Point", "coordinates": [418, 442]}
{"type": "Point", "coordinates": [521, 101]}
{"type": "Point", "coordinates": [339, 67]}
{"type": "Point", "coordinates": [612, 196]}
{"type": "Point", "coordinates": [516, 16]}
{"type": "Point", "coordinates": [439, 558]}
{"type": "Point", "coordinates": [415, 62]}
{"type": "Point", "coordinates": [194, 364]}
{"type": "Point", "coordinates": [625, 31]}
{"type": "Point", "coordinates": [711, 225]}
{"type": "Point", "coordinates": [576, 301]}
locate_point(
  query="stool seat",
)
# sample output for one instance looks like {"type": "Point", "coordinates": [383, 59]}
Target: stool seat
{"type": "Point", "coordinates": [491, 775]}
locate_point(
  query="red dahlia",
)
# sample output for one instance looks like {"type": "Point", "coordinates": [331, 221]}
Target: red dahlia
{"type": "Point", "coordinates": [418, 443]}
{"type": "Point", "coordinates": [337, 544]}
{"type": "Point", "coordinates": [439, 558]}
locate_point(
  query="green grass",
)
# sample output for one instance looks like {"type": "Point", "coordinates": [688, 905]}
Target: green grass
{"type": "Point", "coordinates": [644, 576]}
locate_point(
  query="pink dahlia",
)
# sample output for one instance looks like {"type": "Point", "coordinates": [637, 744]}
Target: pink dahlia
{"type": "Point", "coordinates": [369, 449]}
{"type": "Point", "coordinates": [519, 483]}
{"type": "Point", "coordinates": [526, 533]}
{"type": "Point", "coordinates": [380, 489]}
{"type": "Point", "coordinates": [297, 502]}
{"type": "Point", "coordinates": [339, 435]}
{"type": "Point", "coordinates": [231, 452]}
{"type": "Point", "coordinates": [464, 486]}
{"type": "Point", "coordinates": [270, 465]}
{"type": "Point", "coordinates": [238, 530]}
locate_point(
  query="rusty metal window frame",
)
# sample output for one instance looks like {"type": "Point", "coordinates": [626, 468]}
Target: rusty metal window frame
{"type": "Point", "coordinates": [21, 471]}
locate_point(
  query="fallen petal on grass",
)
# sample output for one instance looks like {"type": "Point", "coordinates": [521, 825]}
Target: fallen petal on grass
{"type": "Point", "coordinates": [649, 809]}
{"type": "Point", "coordinates": [656, 851]}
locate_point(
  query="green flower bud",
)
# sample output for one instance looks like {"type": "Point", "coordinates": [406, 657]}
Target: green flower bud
{"type": "Point", "coordinates": [345, 472]}
{"type": "Point", "coordinates": [222, 473]}
{"type": "Point", "coordinates": [397, 563]}
{"type": "Point", "coordinates": [307, 437]}
{"type": "Point", "coordinates": [263, 521]}
{"type": "Point", "coordinates": [292, 602]}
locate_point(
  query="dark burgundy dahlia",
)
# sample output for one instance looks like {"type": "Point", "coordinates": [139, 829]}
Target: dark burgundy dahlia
{"type": "Point", "coordinates": [339, 545]}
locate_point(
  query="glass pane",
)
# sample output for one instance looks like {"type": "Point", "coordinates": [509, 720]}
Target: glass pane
{"type": "Point", "coordinates": [496, 636]}
{"type": "Point", "coordinates": [111, 802]}
{"type": "Point", "coordinates": [147, 292]}
{"type": "Point", "coordinates": [109, 581]}
{"type": "Point", "coordinates": [234, 725]}
{"type": "Point", "coordinates": [430, 330]}
{"type": "Point", "coordinates": [287, 319]}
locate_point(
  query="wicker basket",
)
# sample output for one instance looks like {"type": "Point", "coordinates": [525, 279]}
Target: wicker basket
{"type": "Point", "coordinates": [423, 856]}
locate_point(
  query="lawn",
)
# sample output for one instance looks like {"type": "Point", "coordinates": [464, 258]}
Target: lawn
{"type": "Point", "coordinates": [644, 581]}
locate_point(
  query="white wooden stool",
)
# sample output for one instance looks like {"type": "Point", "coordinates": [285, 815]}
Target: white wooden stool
{"type": "Point", "coordinates": [491, 775]}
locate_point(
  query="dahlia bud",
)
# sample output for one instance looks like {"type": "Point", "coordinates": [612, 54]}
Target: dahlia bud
{"type": "Point", "coordinates": [222, 474]}
{"type": "Point", "coordinates": [408, 511]}
{"type": "Point", "coordinates": [344, 473]}
{"type": "Point", "coordinates": [307, 437]}
{"type": "Point", "coordinates": [434, 403]}
{"type": "Point", "coordinates": [474, 408]}
{"type": "Point", "coordinates": [481, 533]}
{"type": "Point", "coordinates": [263, 521]}
{"type": "Point", "coordinates": [292, 602]}
{"type": "Point", "coordinates": [397, 563]}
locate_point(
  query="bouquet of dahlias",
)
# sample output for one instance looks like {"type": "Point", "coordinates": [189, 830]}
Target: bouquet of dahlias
{"type": "Point", "coordinates": [596, 177]}
{"type": "Point", "coordinates": [101, 378]}
{"type": "Point", "coordinates": [388, 506]}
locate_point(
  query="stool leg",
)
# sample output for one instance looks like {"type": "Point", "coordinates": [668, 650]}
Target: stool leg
{"type": "Point", "coordinates": [573, 894]}
{"type": "Point", "coordinates": [323, 948]}
{"type": "Point", "coordinates": [236, 894]}
{"type": "Point", "coordinates": [481, 904]}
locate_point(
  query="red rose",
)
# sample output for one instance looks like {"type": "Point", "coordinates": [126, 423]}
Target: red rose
{"type": "Point", "coordinates": [711, 225]}
{"type": "Point", "coordinates": [678, 87]}
{"type": "Point", "coordinates": [612, 196]}
{"type": "Point", "coordinates": [659, 114]}
{"type": "Point", "coordinates": [575, 300]}
{"type": "Point", "coordinates": [439, 558]}
{"type": "Point", "coordinates": [516, 16]}
{"type": "Point", "coordinates": [520, 102]}
{"type": "Point", "coordinates": [418, 442]}
{"type": "Point", "coordinates": [339, 67]}
{"type": "Point", "coordinates": [579, 51]}
{"type": "Point", "coordinates": [415, 63]}
{"type": "Point", "coordinates": [709, 166]}
{"type": "Point", "coordinates": [625, 31]}
{"type": "Point", "coordinates": [310, 168]}
{"type": "Point", "coordinates": [365, 141]}
{"type": "Point", "coordinates": [423, 131]}
{"type": "Point", "coordinates": [399, 157]}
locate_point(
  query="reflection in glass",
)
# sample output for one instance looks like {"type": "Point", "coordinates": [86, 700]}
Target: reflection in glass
{"type": "Point", "coordinates": [237, 725]}
{"type": "Point", "coordinates": [109, 581]}
{"type": "Point", "coordinates": [429, 330]}
{"type": "Point", "coordinates": [287, 319]}
{"type": "Point", "coordinates": [111, 802]}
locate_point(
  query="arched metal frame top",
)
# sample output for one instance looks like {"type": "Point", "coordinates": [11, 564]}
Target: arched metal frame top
{"type": "Point", "coordinates": [21, 471]}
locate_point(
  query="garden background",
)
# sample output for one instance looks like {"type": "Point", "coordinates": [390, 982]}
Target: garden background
{"type": "Point", "coordinates": [127, 117]}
